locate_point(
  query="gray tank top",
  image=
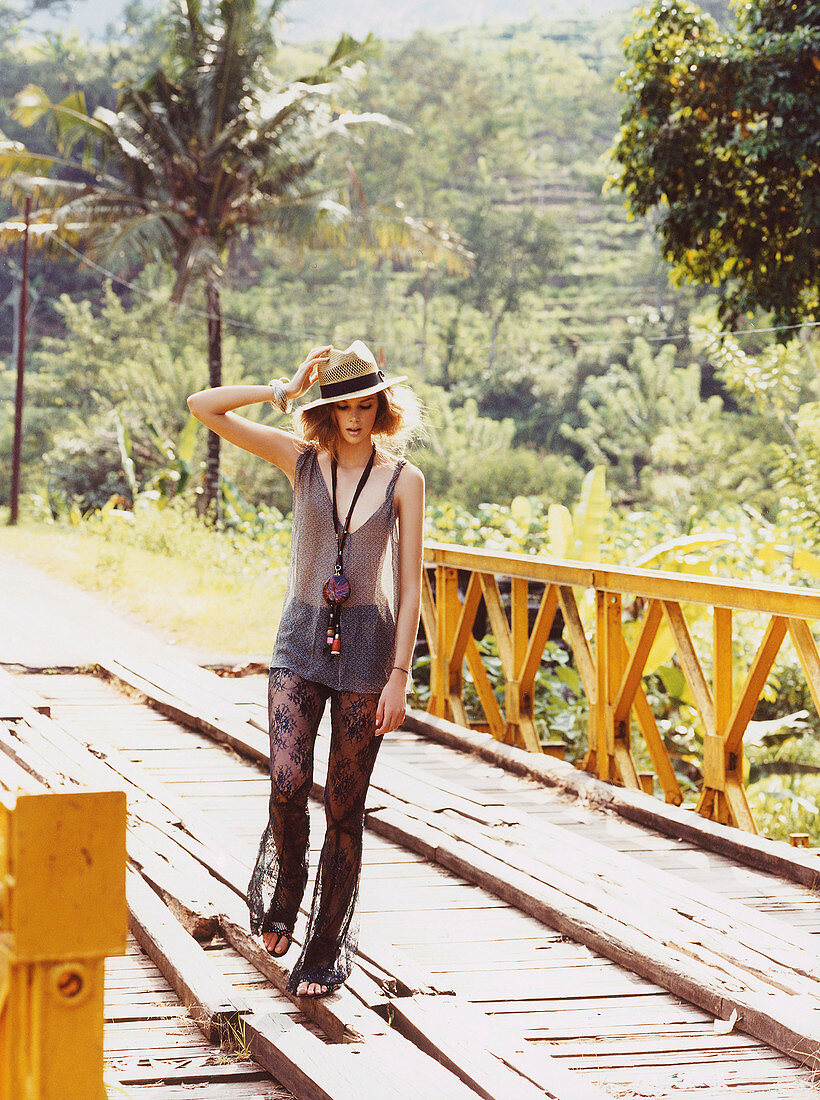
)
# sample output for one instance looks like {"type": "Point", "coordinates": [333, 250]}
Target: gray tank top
{"type": "Point", "coordinates": [368, 618]}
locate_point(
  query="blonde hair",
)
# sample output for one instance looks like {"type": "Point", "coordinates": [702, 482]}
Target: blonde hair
{"type": "Point", "coordinates": [398, 420]}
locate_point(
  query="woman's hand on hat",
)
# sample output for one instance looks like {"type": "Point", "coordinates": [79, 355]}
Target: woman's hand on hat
{"type": "Point", "coordinates": [307, 372]}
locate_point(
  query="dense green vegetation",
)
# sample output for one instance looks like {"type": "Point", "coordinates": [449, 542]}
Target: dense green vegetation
{"type": "Point", "coordinates": [719, 137]}
{"type": "Point", "coordinates": [563, 348]}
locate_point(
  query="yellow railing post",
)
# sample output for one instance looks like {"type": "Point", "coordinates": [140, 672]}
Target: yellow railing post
{"type": "Point", "coordinates": [448, 606]}
{"type": "Point", "coordinates": [62, 911]}
{"type": "Point", "coordinates": [612, 672]}
{"type": "Point", "coordinates": [712, 801]}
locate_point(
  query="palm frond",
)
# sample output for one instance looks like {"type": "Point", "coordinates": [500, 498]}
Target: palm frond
{"type": "Point", "coordinates": [309, 223]}
{"type": "Point", "coordinates": [146, 237]}
{"type": "Point", "coordinates": [45, 235]}
{"type": "Point", "coordinates": [391, 231]}
{"type": "Point", "coordinates": [56, 192]}
{"type": "Point", "coordinates": [70, 118]}
{"type": "Point", "coordinates": [342, 122]}
{"type": "Point", "coordinates": [346, 53]}
{"type": "Point", "coordinates": [16, 160]}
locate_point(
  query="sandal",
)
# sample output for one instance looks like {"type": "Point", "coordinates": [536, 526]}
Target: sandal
{"type": "Point", "coordinates": [288, 941]}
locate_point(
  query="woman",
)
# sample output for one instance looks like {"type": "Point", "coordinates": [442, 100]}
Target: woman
{"type": "Point", "coordinates": [347, 632]}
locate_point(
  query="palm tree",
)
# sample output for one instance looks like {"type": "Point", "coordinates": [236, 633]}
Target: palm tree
{"type": "Point", "coordinates": [209, 148]}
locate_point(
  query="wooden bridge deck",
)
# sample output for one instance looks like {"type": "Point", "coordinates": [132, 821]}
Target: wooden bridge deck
{"type": "Point", "coordinates": [572, 1021]}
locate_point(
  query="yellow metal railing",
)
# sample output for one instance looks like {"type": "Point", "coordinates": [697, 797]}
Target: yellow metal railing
{"type": "Point", "coordinates": [610, 671]}
{"type": "Point", "coordinates": [62, 911]}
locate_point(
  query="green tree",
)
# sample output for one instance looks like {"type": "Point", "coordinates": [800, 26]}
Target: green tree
{"type": "Point", "coordinates": [780, 385]}
{"type": "Point", "coordinates": [647, 424]}
{"type": "Point", "coordinates": [719, 138]}
{"type": "Point", "coordinates": [204, 151]}
{"type": "Point", "coordinates": [515, 252]}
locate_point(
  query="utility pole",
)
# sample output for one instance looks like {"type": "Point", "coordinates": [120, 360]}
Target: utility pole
{"type": "Point", "coordinates": [22, 318]}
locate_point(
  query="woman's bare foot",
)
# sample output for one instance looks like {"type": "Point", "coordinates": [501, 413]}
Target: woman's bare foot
{"type": "Point", "coordinates": [311, 989]}
{"type": "Point", "coordinates": [276, 942]}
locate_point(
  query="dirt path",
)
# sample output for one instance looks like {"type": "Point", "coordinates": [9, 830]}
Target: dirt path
{"type": "Point", "coordinates": [47, 622]}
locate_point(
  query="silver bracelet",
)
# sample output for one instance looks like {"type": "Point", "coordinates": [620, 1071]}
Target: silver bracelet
{"type": "Point", "coordinates": [280, 399]}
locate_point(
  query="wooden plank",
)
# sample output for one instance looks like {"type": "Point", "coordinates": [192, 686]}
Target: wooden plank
{"type": "Point", "coordinates": [212, 1003]}
{"type": "Point", "coordinates": [635, 662]}
{"type": "Point", "coordinates": [763, 1011]}
{"type": "Point", "coordinates": [541, 628]}
{"type": "Point", "coordinates": [15, 700]}
{"type": "Point", "coordinates": [809, 657]}
{"type": "Point", "coordinates": [429, 616]}
{"type": "Point", "coordinates": [464, 1040]}
{"type": "Point", "coordinates": [799, 603]}
{"type": "Point", "coordinates": [755, 682]}
{"type": "Point", "coordinates": [484, 689]}
{"type": "Point", "coordinates": [184, 888]}
{"type": "Point", "coordinates": [221, 726]}
{"type": "Point", "coordinates": [14, 777]}
{"type": "Point", "coordinates": [498, 622]}
{"type": "Point", "coordinates": [762, 964]}
{"type": "Point", "coordinates": [463, 631]}
{"type": "Point", "coordinates": [339, 1015]}
{"type": "Point", "coordinates": [578, 642]}
{"type": "Point", "coordinates": [714, 913]}
{"type": "Point", "coordinates": [758, 852]}
{"type": "Point", "coordinates": [722, 668]}
{"type": "Point", "coordinates": [690, 664]}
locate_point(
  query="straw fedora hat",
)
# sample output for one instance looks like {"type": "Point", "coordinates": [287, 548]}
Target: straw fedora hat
{"type": "Point", "coordinates": [351, 373]}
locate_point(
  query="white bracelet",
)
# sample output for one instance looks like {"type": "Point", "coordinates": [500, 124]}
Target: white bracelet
{"type": "Point", "coordinates": [280, 399]}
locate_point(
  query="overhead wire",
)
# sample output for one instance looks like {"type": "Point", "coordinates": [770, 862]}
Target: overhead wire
{"type": "Point", "coordinates": [279, 334]}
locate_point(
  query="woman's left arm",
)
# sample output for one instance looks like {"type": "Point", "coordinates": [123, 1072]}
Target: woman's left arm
{"type": "Point", "coordinates": [409, 498]}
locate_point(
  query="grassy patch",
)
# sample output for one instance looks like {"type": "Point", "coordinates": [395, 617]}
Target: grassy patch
{"type": "Point", "coordinates": [189, 589]}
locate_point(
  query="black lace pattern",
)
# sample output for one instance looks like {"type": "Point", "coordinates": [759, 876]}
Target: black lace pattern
{"type": "Point", "coordinates": [277, 885]}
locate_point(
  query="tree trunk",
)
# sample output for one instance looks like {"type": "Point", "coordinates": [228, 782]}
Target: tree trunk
{"type": "Point", "coordinates": [496, 324]}
{"type": "Point", "coordinates": [211, 502]}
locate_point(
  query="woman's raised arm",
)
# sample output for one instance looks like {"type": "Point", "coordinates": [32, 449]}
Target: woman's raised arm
{"type": "Point", "coordinates": [214, 407]}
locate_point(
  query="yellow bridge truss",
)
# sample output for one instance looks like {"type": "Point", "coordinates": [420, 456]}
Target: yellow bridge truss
{"type": "Point", "coordinates": [610, 671]}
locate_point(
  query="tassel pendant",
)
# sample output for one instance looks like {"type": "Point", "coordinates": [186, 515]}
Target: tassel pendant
{"type": "Point", "coordinates": [333, 639]}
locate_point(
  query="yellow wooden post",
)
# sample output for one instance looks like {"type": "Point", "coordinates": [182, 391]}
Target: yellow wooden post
{"type": "Point", "coordinates": [528, 667]}
{"type": "Point", "coordinates": [739, 812]}
{"type": "Point", "coordinates": [448, 608]}
{"type": "Point", "coordinates": [621, 766]}
{"type": "Point", "coordinates": [599, 746]}
{"type": "Point", "coordinates": [712, 801]}
{"type": "Point", "coordinates": [429, 619]}
{"type": "Point", "coordinates": [587, 669]}
{"type": "Point", "coordinates": [62, 911]}
{"type": "Point", "coordinates": [518, 720]}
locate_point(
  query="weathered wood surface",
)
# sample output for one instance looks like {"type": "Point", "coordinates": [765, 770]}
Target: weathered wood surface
{"type": "Point", "coordinates": [719, 972]}
{"type": "Point", "coordinates": [756, 852]}
{"type": "Point", "coordinates": [430, 934]}
{"type": "Point", "coordinates": [297, 1058]}
{"type": "Point", "coordinates": [153, 1048]}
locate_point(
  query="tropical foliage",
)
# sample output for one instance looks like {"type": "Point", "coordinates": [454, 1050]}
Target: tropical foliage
{"type": "Point", "coordinates": [207, 149]}
{"type": "Point", "coordinates": [719, 139]}
{"type": "Point", "coordinates": [578, 405]}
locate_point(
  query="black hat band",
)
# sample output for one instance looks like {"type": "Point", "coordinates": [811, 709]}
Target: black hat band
{"type": "Point", "coordinates": [352, 385]}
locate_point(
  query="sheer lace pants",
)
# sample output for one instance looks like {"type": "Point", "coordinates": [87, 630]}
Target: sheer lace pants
{"type": "Point", "coordinates": [295, 708]}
